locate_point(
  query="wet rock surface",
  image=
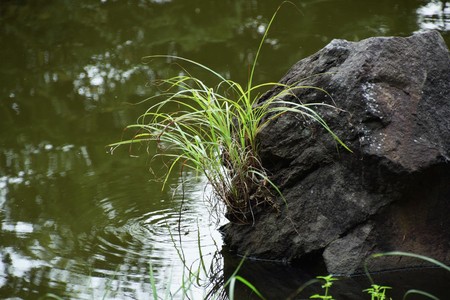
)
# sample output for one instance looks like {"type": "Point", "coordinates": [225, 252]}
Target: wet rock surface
{"type": "Point", "coordinates": [393, 191]}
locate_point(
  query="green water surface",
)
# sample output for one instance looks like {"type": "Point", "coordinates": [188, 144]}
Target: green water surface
{"type": "Point", "coordinates": [80, 223]}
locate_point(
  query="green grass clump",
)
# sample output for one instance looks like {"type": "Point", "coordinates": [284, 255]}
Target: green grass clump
{"type": "Point", "coordinates": [214, 129]}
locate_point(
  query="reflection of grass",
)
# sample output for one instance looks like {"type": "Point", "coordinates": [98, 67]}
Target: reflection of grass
{"type": "Point", "coordinates": [192, 280]}
{"type": "Point", "coordinates": [198, 276]}
{"type": "Point", "coordinates": [214, 132]}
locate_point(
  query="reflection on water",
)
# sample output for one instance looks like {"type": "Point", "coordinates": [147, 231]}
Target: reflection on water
{"type": "Point", "coordinates": [79, 223]}
{"type": "Point", "coordinates": [72, 226]}
{"type": "Point", "coordinates": [434, 15]}
{"type": "Point", "coordinates": [102, 75]}
{"type": "Point", "coordinates": [103, 248]}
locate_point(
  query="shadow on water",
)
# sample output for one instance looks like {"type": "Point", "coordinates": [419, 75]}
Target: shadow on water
{"type": "Point", "coordinates": [80, 223]}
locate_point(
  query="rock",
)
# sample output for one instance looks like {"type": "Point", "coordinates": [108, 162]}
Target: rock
{"type": "Point", "coordinates": [393, 191]}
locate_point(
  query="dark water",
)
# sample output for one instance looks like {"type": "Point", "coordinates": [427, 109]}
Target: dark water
{"type": "Point", "coordinates": [82, 224]}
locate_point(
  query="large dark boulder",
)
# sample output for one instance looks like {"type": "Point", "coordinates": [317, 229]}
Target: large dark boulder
{"type": "Point", "coordinates": [393, 191]}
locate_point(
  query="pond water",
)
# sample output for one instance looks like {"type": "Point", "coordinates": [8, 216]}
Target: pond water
{"type": "Point", "coordinates": [80, 223]}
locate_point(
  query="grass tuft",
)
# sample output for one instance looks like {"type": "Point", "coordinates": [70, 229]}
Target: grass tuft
{"type": "Point", "coordinates": [213, 131]}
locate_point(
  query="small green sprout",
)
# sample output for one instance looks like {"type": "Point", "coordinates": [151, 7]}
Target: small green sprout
{"type": "Point", "coordinates": [377, 292]}
{"type": "Point", "coordinates": [326, 286]}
